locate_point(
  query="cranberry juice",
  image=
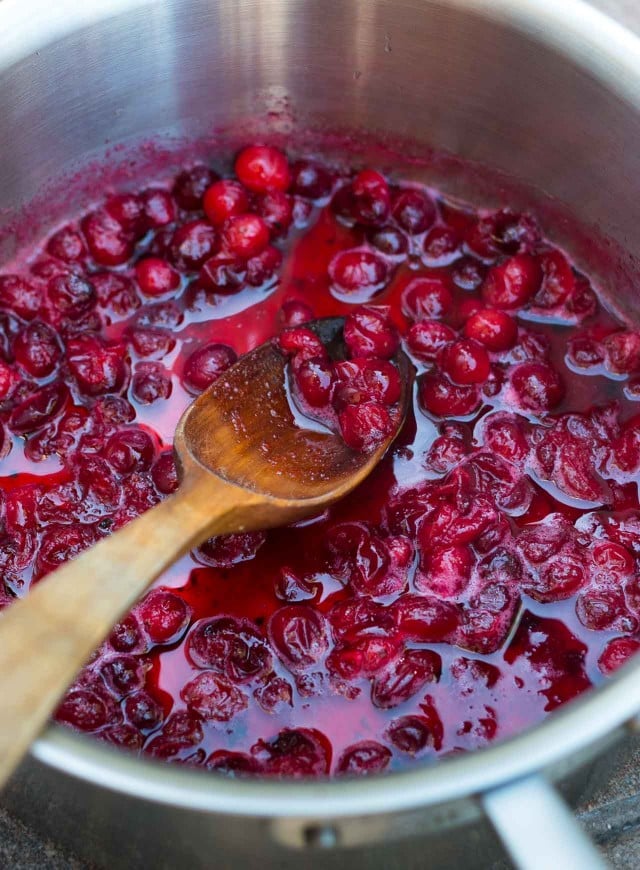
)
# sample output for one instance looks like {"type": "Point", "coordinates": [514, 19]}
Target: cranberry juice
{"type": "Point", "coordinates": [486, 573]}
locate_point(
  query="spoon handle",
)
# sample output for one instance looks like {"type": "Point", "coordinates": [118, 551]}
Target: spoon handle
{"type": "Point", "coordinates": [46, 637]}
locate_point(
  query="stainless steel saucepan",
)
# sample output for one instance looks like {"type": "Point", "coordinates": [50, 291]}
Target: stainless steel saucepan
{"type": "Point", "coordinates": [547, 93]}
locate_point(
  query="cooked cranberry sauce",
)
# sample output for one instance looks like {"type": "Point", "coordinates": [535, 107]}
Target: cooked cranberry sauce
{"type": "Point", "coordinates": [486, 573]}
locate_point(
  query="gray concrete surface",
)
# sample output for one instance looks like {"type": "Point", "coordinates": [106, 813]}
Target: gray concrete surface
{"type": "Point", "coordinates": [612, 817]}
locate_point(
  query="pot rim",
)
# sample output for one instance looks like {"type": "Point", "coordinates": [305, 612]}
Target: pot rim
{"type": "Point", "coordinates": [611, 53]}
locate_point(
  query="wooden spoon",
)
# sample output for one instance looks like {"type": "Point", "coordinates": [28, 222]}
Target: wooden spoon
{"type": "Point", "coordinates": [244, 465]}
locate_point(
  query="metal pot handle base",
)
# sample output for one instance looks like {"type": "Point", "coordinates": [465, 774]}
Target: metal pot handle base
{"type": "Point", "coordinates": [538, 829]}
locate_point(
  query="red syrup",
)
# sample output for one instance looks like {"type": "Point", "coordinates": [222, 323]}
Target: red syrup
{"type": "Point", "coordinates": [486, 572]}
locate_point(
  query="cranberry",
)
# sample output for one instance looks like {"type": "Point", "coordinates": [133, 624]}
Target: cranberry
{"type": "Point", "coordinates": [502, 233]}
{"type": "Point", "coordinates": [557, 579]}
{"type": "Point", "coordinates": [294, 753]}
{"type": "Point", "coordinates": [466, 362]}
{"type": "Point", "coordinates": [426, 299]}
{"type": "Point", "coordinates": [60, 544]}
{"type": "Point", "coordinates": [413, 210]}
{"type": "Point", "coordinates": [182, 730]}
{"type": "Point", "coordinates": [67, 245]}
{"type": "Point", "coordinates": [223, 273]}
{"type": "Point", "coordinates": [299, 636]}
{"type": "Point", "coordinates": [39, 408]}
{"type": "Point", "coordinates": [225, 199]}
{"type": "Point", "coordinates": [150, 382]}
{"type": "Point", "coordinates": [613, 557]}
{"type": "Point", "coordinates": [262, 168]}
{"type": "Point", "coordinates": [37, 349]}
{"type": "Point", "coordinates": [405, 678]}
{"type": "Point", "coordinates": [366, 380]}
{"type": "Point", "coordinates": [441, 398]}
{"type": "Point", "coordinates": [358, 273]}
{"type": "Point", "coordinates": [190, 186]}
{"type": "Point", "coordinates": [274, 694]}
{"type": "Point", "coordinates": [127, 210]}
{"type": "Point", "coordinates": [364, 427]}
{"type": "Point", "coordinates": [427, 338]}
{"type": "Point", "coordinates": [276, 210]}
{"type": "Point", "coordinates": [214, 698]}
{"type": "Point", "coordinates": [512, 283]}
{"type": "Point", "coordinates": [164, 616]}
{"type": "Point", "coordinates": [310, 180]}
{"type": "Point", "coordinates": [364, 758]}
{"type": "Point", "coordinates": [355, 619]}
{"type": "Point", "coordinates": [245, 235]}
{"type": "Point", "coordinates": [20, 296]}
{"type": "Point", "coordinates": [151, 342]}
{"type": "Point", "coordinates": [370, 197]}
{"type": "Point", "coordinates": [468, 274]}
{"type": "Point", "coordinates": [411, 734]}
{"type": "Point", "coordinates": [370, 332]}
{"type": "Point", "coordinates": [389, 241]}
{"type": "Point", "coordinates": [301, 342]}
{"type": "Point", "coordinates": [496, 330]}
{"type": "Point", "coordinates": [159, 207]}
{"type": "Point", "coordinates": [558, 281]}
{"type": "Point", "coordinates": [425, 618]}
{"type": "Point", "coordinates": [165, 474]}
{"type": "Point", "coordinates": [585, 352]}
{"type": "Point", "coordinates": [441, 247]}
{"type": "Point", "coordinates": [446, 571]}
{"type": "Point", "coordinates": [130, 450]}
{"type": "Point", "coordinates": [108, 242]}
{"type": "Point", "coordinates": [295, 312]}
{"type": "Point", "coordinates": [537, 386]}
{"type": "Point", "coordinates": [97, 367]}
{"type": "Point", "coordinates": [193, 244]}
{"type": "Point", "coordinates": [504, 437]}
{"type": "Point", "coordinates": [617, 653]}
{"type": "Point", "coordinates": [227, 550]}
{"type": "Point", "coordinates": [622, 352]}
{"type": "Point", "coordinates": [605, 609]}
{"type": "Point", "coordinates": [156, 277]}
{"type": "Point", "coordinates": [314, 379]}
{"type": "Point", "coordinates": [83, 710]}
{"type": "Point", "coordinates": [142, 711]}
{"type": "Point", "coordinates": [126, 636]}
{"type": "Point", "coordinates": [233, 764]}
{"type": "Point", "coordinates": [71, 295]}
{"type": "Point", "coordinates": [205, 365]}
{"type": "Point", "coordinates": [116, 292]}
{"type": "Point", "coordinates": [123, 675]}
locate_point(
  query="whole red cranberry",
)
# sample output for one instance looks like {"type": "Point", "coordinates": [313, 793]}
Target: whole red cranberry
{"type": "Point", "coordinates": [441, 247]}
{"type": "Point", "coordinates": [369, 332]}
{"type": "Point", "coordinates": [123, 675]}
{"type": "Point", "coordinates": [389, 241]}
{"type": "Point", "coordinates": [150, 382]}
{"type": "Point", "coordinates": [96, 366]}
{"type": "Point", "coordinates": [130, 450]}
{"type": "Point", "coordinates": [365, 380]}
{"type": "Point", "coordinates": [128, 211]}
{"type": "Point", "coordinates": [512, 283]}
{"type": "Point", "coordinates": [190, 186]}
{"type": "Point", "coordinates": [83, 710]}
{"type": "Point", "coordinates": [71, 295]}
{"type": "Point", "coordinates": [67, 245]}
{"type": "Point", "coordinates": [495, 329]}
{"type": "Point", "coordinates": [20, 296]}
{"type": "Point", "coordinates": [413, 210]}
{"type": "Point", "coordinates": [301, 342]}
{"type": "Point", "coordinates": [225, 199]}
{"type": "Point", "coordinates": [358, 272]}
{"type": "Point", "coordinates": [245, 235]}
{"type": "Point", "coordinates": [156, 277]}
{"type": "Point", "coordinates": [314, 379]}
{"type": "Point", "coordinates": [310, 180]}
{"type": "Point", "coordinates": [142, 711]}
{"type": "Point", "coordinates": [127, 636]}
{"type": "Point", "coordinates": [109, 243]}
{"type": "Point", "coordinates": [617, 653]}
{"type": "Point", "coordinates": [206, 364]}
{"type": "Point", "coordinates": [298, 634]}
{"type": "Point", "coordinates": [165, 474]}
{"type": "Point", "coordinates": [538, 386]}
{"type": "Point", "coordinates": [262, 168]}
{"type": "Point", "coordinates": [427, 338]}
{"type": "Point", "coordinates": [370, 197]}
{"type": "Point", "coordinates": [276, 210]}
{"type": "Point", "coordinates": [37, 349]}
{"type": "Point", "coordinates": [426, 299]}
{"type": "Point", "coordinates": [193, 244]}
{"type": "Point", "coordinates": [558, 280]}
{"type": "Point", "coordinates": [441, 398]}
{"type": "Point", "coordinates": [294, 312]}
{"type": "Point", "coordinates": [39, 408]}
{"type": "Point", "coordinates": [622, 352]}
{"type": "Point", "coordinates": [262, 268]}
{"type": "Point", "coordinates": [159, 207]}
{"type": "Point", "coordinates": [364, 427]}
{"type": "Point", "coordinates": [466, 362]}
{"type": "Point", "coordinates": [164, 616]}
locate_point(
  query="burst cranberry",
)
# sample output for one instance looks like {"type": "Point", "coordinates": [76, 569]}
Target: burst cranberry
{"type": "Point", "coordinates": [276, 210]}
{"type": "Point", "coordinates": [370, 332]}
{"type": "Point", "coordinates": [468, 274]}
{"type": "Point", "coordinates": [585, 352]}
{"type": "Point", "coordinates": [156, 277]}
{"type": "Point", "coordinates": [116, 292]}
{"type": "Point", "coordinates": [427, 338]}
{"type": "Point", "coordinates": [294, 753]}
{"type": "Point", "coordinates": [502, 232]}
{"type": "Point", "coordinates": [299, 636]}
{"type": "Point", "coordinates": [405, 678]}
{"type": "Point", "coordinates": [214, 698]}
{"type": "Point", "coordinates": [370, 197]}
{"type": "Point", "coordinates": [223, 200]}
{"type": "Point", "coordinates": [165, 474]}
{"type": "Point", "coordinates": [142, 711]}
{"type": "Point", "coordinates": [97, 367]}
{"type": "Point", "coordinates": [314, 379]}
{"type": "Point", "coordinates": [233, 764]}
{"type": "Point", "coordinates": [245, 235]}
{"type": "Point", "coordinates": [151, 342]}
{"type": "Point", "coordinates": [181, 730]}
{"type": "Point", "coordinates": [159, 207]}
{"type": "Point", "coordinates": [617, 653]}
{"type": "Point", "coordinates": [557, 579]}
{"type": "Point", "coordinates": [150, 383]}
{"type": "Point", "coordinates": [466, 362]}
{"type": "Point", "coordinates": [443, 399]}
{"type": "Point", "coordinates": [67, 245]}
{"type": "Point", "coordinates": [130, 450]}
{"type": "Point", "coordinates": [389, 241]}
{"type": "Point", "coordinates": [364, 427]}
{"type": "Point", "coordinates": [37, 349]}
{"type": "Point", "coordinates": [262, 168]}
{"type": "Point", "coordinates": [71, 295]}
{"type": "Point", "coordinates": [109, 243]}
{"type": "Point", "coordinates": [512, 283]}
{"type": "Point", "coordinates": [558, 281]}
{"type": "Point", "coordinates": [537, 386]}
{"type": "Point", "coordinates": [310, 180]}
{"type": "Point", "coordinates": [424, 618]}
{"type": "Point", "coordinates": [413, 210]}
{"type": "Point", "coordinates": [364, 758]}
{"type": "Point", "coordinates": [622, 352]}
{"type": "Point", "coordinates": [603, 609]}
{"type": "Point", "coordinates": [411, 734]}
{"type": "Point", "coordinates": [164, 616]}
{"type": "Point", "coordinates": [60, 544]}
{"type": "Point", "coordinates": [613, 557]}
{"type": "Point", "coordinates": [205, 365]}
{"type": "Point", "coordinates": [230, 646]}
{"type": "Point", "coordinates": [295, 312]}
{"type": "Point", "coordinates": [83, 710]}
{"type": "Point", "coordinates": [126, 636]}
{"type": "Point", "coordinates": [190, 186]}
{"type": "Point", "coordinates": [20, 296]}
{"type": "Point", "coordinates": [426, 299]}
{"type": "Point", "coordinates": [301, 342]}
{"type": "Point", "coordinates": [123, 675]}
{"type": "Point", "coordinates": [445, 571]}
{"type": "Point", "coordinates": [224, 551]}
{"type": "Point", "coordinates": [193, 244]}
{"type": "Point", "coordinates": [223, 273]}
{"type": "Point", "coordinates": [504, 437]}
{"type": "Point", "coordinates": [358, 272]}
{"type": "Point", "coordinates": [38, 409]}
{"type": "Point", "coordinates": [263, 267]}
{"type": "Point", "coordinates": [127, 210]}
{"type": "Point", "coordinates": [366, 380]}
{"type": "Point", "coordinates": [496, 330]}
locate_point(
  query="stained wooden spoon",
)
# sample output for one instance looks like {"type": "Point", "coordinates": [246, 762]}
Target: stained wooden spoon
{"type": "Point", "coordinates": [244, 463]}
